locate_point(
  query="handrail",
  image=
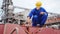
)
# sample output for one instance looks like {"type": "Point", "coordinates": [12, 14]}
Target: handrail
{"type": "Point", "coordinates": [16, 29]}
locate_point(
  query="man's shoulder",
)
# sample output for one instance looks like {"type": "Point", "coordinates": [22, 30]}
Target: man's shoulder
{"type": "Point", "coordinates": [41, 8]}
{"type": "Point", "coordinates": [33, 9]}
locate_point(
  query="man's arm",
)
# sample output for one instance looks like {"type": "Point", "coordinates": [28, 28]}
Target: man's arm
{"type": "Point", "coordinates": [28, 20]}
{"type": "Point", "coordinates": [43, 11]}
{"type": "Point", "coordinates": [29, 17]}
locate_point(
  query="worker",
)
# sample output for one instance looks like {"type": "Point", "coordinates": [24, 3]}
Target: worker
{"type": "Point", "coordinates": [38, 15]}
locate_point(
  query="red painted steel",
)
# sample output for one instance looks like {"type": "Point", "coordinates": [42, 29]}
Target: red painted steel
{"type": "Point", "coordinates": [57, 31]}
{"type": "Point", "coordinates": [10, 27]}
{"type": "Point", "coordinates": [7, 28]}
{"type": "Point", "coordinates": [46, 31]}
{"type": "Point", "coordinates": [1, 28]}
{"type": "Point", "coordinates": [35, 30]}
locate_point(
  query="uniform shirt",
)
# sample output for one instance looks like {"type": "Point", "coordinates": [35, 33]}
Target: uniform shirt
{"type": "Point", "coordinates": [36, 12]}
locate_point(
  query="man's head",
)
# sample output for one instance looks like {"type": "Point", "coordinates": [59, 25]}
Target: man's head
{"type": "Point", "coordinates": [38, 5]}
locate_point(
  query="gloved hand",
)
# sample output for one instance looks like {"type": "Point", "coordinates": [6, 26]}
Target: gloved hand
{"type": "Point", "coordinates": [28, 20]}
{"type": "Point", "coordinates": [42, 13]}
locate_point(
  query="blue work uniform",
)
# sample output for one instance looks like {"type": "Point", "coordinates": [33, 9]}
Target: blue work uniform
{"type": "Point", "coordinates": [38, 18]}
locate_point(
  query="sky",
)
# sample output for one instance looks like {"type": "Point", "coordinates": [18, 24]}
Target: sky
{"type": "Point", "coordinates": [49, 5]}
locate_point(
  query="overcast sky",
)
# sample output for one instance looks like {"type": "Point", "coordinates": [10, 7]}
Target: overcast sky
{"type": "Point", "coordinates": [50, 5]}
